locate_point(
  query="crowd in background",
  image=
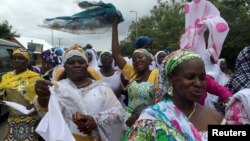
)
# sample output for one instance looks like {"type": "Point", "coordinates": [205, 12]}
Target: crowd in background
{"type": "Point", "coordinates": [171, 94]}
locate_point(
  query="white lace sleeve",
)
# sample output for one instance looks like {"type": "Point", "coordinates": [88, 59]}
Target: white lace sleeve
{"type": "Point", "coordinates": [110, 121]}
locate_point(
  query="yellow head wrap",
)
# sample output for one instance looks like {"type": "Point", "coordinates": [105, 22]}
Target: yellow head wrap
{"type": "Point", "coordinates": [22, 51]}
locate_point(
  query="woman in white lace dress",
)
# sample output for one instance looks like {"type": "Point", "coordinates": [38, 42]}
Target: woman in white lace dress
{"type": "Point", "coordinates": [89, 108]}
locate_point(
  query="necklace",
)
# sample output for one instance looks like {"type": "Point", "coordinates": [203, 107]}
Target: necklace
{"type": "Point", "coordinates": [190, 115]}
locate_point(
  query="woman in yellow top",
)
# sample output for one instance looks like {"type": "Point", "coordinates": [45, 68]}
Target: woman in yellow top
{"type": "Point", "coordinates": [142, 80]}
{"type": "Point", "coordinates": [18, 86]}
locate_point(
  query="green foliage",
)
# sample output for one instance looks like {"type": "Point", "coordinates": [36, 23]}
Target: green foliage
{"type": "Point", "coordinates": [165, 25]}
{"type": "Point", "coordinates": [237, 14]}
{"type": "Point", "coordinates": [6, 31]}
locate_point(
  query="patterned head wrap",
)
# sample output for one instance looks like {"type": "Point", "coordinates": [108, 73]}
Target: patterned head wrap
{"type": "Point", "coordinates": [169, 63]}
{"type": "Point", "coordinates": [53, 55]}
{"type": "Point", "coordinates": [241, 79]}
{"type": "Point", "coordinates": [75, 50]}
{"type": "Point", "coordinates": [145, 52]}
{"type": "Point", "coordinates": [22, 51]}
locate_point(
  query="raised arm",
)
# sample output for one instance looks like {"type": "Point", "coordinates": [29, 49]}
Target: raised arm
{"type": "Point", "coordinates": [119, 60]}
{"type": "Point", "coordinates": [215, 88]}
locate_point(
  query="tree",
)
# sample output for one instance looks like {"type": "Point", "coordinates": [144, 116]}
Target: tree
{"type": "Point", "coordinates": [237, 14]}
{"type": "Point", "coordinates": [164, 25]}
{"type": "Point", "coordinates": [6, 31]}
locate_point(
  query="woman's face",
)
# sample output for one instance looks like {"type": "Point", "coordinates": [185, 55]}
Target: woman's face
{"type": "Point", "coordinates": [223, 65]}
{"type": "Point", "coordinates": [76, 68]}
{"type": "Point", "coordinates": [140, 61]}
{"type": "Point", "coordinates": [106, 59]}
{"type": "Point", "coordinates": [160, 57]}
{"type": "Point", "coordinates": [188, 80]}
{"type": "Point", "coordinates": [90, 57]}
{"type": "Point", "coordinates": [19, 62]}
{"type": "Point", "coordinates": [46, 67]}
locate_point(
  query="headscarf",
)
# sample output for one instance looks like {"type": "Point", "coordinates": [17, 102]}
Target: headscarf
{"type": "Point", "coordinates": [142, 41]}
{"type": "Point", "coordinates": [75, 50]}
{"type": "Point", "coordinates": [156, 57]}
{"type": "Point", "coordinates": [93, 62]}
{"type": "Point", "coordinates": [22, 51]}
{"type": "Point", "coordinates": [100, 58]}
{"type": "Point", "coordinates": [241, 79]}
{"type": "Point", "coordinates": [145, 52]}
{"type": "Point", "coordinates": [166, 110]}
{"type": "Point", "coordinates": [78, 51]}
{"type": "Point", "coordinates": [169, 63]}
{"type": "Point", "coordinates": [53, 55]}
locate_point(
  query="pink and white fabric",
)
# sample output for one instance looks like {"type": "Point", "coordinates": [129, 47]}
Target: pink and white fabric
{"type": "Point", "coordinates": [201, 15]}
{"type": "Point", "coordinates": [238, 108]}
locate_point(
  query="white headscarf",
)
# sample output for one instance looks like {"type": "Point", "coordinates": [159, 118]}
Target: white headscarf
{"type": "Point", "coordinates": [93, 62]}
{"type": "Point", "coordinates": [100, 61]}
{"type": "Point", "coordinates": [73, 53]}
{"type": "Point", "coordinates": [156, 58]}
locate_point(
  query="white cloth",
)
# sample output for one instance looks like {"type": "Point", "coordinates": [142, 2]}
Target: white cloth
{"type": "Point", "coordinates": [52, 127]}
{"type": "Point", "coordinates": [99, 58]}
{"type": "Point", "coordinates": [93, 63]}
{"type": "Point", "coordinates": [17, 107]}
{"type": "Point", "coordinates": [219, 76]}
{"type": "Point", "coordinates": [210, 100]}
{"type": "Point", "coordinates": [72, 53]}
{"type": "Point", "coordinates": [152, 66]}
{"type": "Point", "coordinates": [201, 15]}
{"type": "Point", "coordinates": [114, 81]}
{"type": "Point", "coordinates": [97, 100]}
{"type": "Point", "coordinates": [156, 58]}
{"type": "Point", "coordinates": [244, 97]}
{"type": "Point", "coordinates": [223, 78]}
{"type": "Point", "coordinates": [204, 136]}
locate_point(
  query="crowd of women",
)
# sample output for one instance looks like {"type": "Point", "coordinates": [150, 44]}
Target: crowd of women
{"type": "Point", "coordinates": [80, 101]}
{"type": "Point", "coordinates": [80, 96]}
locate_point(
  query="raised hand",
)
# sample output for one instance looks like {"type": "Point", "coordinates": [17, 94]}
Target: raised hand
{"type": "Point", "coordinates": [42, 91]}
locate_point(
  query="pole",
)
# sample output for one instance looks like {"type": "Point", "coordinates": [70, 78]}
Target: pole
{"type": "Point", "coordinates": [52, 37]}
{"type": "Point", "coordinates": [136, 29]}
{"type": "Point", "coordinates": [59, 40]}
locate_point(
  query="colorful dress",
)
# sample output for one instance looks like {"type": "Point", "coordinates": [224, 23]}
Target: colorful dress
{"type": "Point", "coordinates": [161, 122]}
{"type": "Point", "coordinates": [139, 93]}
{"type": "Point", "coordinates": [238, 109]}
{"type": "Point", "coordinates": [20, 88]}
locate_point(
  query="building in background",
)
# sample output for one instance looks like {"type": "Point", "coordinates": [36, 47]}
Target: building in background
{"type": "Point", "coordinates": [35, 47]}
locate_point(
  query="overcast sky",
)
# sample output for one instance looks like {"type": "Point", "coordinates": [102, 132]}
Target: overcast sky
{"type": "Point", "coordinates": [25, 15]}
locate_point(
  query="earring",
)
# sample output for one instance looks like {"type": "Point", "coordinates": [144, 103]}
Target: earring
{"type": "Point", "coordinates": [170, 89]}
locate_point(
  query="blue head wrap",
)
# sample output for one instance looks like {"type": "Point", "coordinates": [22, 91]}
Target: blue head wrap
{"type": "Point", "coordinates": [142, 41]}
